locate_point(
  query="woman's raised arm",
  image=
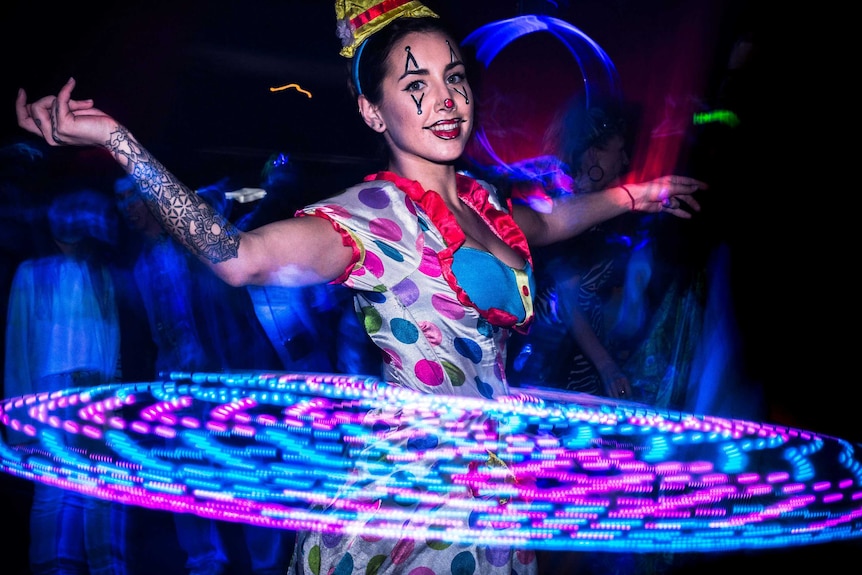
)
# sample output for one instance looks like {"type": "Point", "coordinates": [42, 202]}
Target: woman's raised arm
{"type": "Point", "coordinates": [297, 251]}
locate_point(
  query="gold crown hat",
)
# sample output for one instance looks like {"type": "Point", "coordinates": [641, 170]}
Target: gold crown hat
{"type": "Point", "coordinates": [360, 19]}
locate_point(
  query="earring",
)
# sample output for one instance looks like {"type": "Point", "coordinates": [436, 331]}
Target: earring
{"type": "Point", "coordinates": [596, 169]}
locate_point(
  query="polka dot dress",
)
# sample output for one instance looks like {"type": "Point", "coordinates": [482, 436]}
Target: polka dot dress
{"type": "Point", "coordinates": [434, 339]}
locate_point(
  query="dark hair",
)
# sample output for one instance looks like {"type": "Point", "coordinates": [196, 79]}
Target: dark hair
{"type": "Point", "coordinates": [369, 63]}
{"type": "Point", "coordinates": [581, 126]}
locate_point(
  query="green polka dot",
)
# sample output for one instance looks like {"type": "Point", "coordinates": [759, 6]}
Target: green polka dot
{"type": "Point", "coordinates": [314, 560]}
{"type": "Point", "coordinates": [437, 544]}
{"type": "Point", "coordinates": [371, 319]}
{"type": "Point", "coordinates": [374, 564]}
{"type": "Point", "coordinates": [456, 375]}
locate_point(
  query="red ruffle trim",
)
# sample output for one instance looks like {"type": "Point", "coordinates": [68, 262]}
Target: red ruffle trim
{"type": "Point", "coordinates": [474, 195]}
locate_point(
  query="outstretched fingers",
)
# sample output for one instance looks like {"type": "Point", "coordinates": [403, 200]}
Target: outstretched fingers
{"type": "Point", "coordinates": [54, 117]}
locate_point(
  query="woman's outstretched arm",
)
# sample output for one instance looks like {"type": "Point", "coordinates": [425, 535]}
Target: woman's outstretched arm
{"type": "Point", "coordinates": [577, 213]}
{"type": "Point", "coordinates": [298, 251]}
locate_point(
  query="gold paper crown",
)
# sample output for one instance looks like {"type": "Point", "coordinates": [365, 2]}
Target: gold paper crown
{"type": "Point", "coordinates": [360, 19]}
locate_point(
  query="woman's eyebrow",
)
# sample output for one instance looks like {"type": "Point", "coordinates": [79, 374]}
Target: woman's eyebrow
{"type": "Point", "coordinates": [424, 71]}
{"type": "Point", "coordinates": [414, 72]}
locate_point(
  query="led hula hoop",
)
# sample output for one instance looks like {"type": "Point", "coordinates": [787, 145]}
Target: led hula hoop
{"type": "Point", "coordinates": [347, 454]}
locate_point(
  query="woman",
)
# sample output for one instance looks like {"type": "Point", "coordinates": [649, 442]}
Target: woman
{"type": "Point", "coordinates": [567, 344]}
{"type": "Point", "coordinates": [441, 269]}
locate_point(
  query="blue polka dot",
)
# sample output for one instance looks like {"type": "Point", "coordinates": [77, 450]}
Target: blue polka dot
{"type": "Point", "coordinates": [485, 328]}
{"type": "Point", "coordinates": [423, 443]}
{"type": "Point", "coordinates": [469, 349]}
{"type": "Point", "coordinates": [345, 566]}
{"type": "Point", "coordinates": [485, 390]}
{"type": "Point", "coordinates": [374, 297]}
{"type": "Point", "coordinates": [404, 331]}
{"type": "Point", "coordinates": [463, 564]}
{"type": "Point", "coordinates": [389, 251]}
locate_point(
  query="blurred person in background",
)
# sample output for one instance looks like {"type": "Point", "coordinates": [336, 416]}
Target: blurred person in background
{"type": "Point", "coordinates": [63, 332]}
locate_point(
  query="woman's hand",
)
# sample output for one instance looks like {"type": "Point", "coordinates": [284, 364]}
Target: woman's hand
{"type": "Point", "coordinates": [62, 121]}
{"type": "Point", "coordinates": [615, 381]}
{"type": "Point", "coordinates": [670, 194]}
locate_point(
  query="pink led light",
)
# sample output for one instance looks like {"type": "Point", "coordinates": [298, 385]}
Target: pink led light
{"type": "Point", "coordinates": [601, 476]}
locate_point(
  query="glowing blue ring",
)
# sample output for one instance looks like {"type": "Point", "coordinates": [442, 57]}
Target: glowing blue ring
{"type": "Point", "coordinates": [490, 39]}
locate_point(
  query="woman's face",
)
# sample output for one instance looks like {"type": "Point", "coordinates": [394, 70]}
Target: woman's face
{"type": "Point", "coordinates": [427, 104]}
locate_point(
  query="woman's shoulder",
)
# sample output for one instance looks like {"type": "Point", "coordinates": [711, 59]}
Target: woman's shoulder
{"type": "Point", "coordinates": [371, 192]}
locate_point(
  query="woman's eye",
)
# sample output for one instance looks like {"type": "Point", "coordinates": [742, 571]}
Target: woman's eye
{"type": "Point", "coordinates": [456, 78]}
{"type": "Point", "coordinates": [414, 86]}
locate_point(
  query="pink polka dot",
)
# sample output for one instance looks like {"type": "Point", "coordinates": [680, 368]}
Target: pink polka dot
{"type": "Point", "coordinates": [371, 538]}
{"type": "Point", "coordinates": [386, 229]}
{"type": "Point", "coordinates": [422, 571]}
{"type": "Point", "coordinates": [411, 207]}
{"type": "Point", "coordinates": [432, 332]}
{"type": "Point", "coordinates": [447, 306]}
{"type": "Point", "coordinates": [525, 556]}
{"type": "Point", "coordinates": [373, 264]}
{"type": "Point", "coordinates": [402, 550]}
{"type": "Point", "coordinates": [428, 372]}
{"type": "Point", "coordinates": [337, 211]}
{"type": "Point", "coordinates": [430, 265]}
{"type": "Point", "coordinates": [391, 357]}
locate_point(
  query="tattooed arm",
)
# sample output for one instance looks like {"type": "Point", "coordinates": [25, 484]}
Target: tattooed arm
{"type": "Point", "coordinates": [298, 251]}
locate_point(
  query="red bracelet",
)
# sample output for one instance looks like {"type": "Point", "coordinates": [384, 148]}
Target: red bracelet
{"type": "Point", "coordinates": [630, 196]}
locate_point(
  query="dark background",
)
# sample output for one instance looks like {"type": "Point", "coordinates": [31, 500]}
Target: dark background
{"type": "Point", "coordinates": [191, 80]}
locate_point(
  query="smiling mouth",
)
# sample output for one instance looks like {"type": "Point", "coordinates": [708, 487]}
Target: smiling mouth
{"type": "Point", "coordinates": [446, 129]}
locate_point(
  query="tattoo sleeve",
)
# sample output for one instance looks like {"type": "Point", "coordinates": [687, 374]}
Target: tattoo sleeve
{"type": "Point", "coordinates": [183, 214]}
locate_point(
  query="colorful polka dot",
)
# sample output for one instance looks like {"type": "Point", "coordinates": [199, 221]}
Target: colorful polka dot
{"type": "Point", "coordinates": [371, 319]}
{"type": "Point", "coordinates": [345, 566]}
{"type": "Point", "coordinates": [407, 292]}
{"type": "Point", "coordinates": [386, 229]}
{"type": "Point", "coordinates": [430, 265]}
{"type": "Point", "coordinates": [331, 539]}
{"type": "Point", "coordinates": [423, 443]}
{"type": "Point", "coordinates": [336, 211]}
{"type": "Point", "coordinates": [469, 349]}
{"type": "Point", "coordinates": [389, 251]}
{"type": "Point", "coordinates": [437, 544]}
{"type": "Point", "coordinates": [429, 372]}
{"type": "Point", "coordinates": [375, 198]}
{"type": "Point", "coordinates": [373, 264]}
{"type": "Point", "coordinates": [485, 390]}
{"type": "Point", "coordinates": [447, 306]}
{"type": "Point", "coordinates": [455, 373]}
{"type": "Point", "coordinates": [463, 564]}
{"type": "Point", "coordinates": [497, 556]}
{"type": "Point", "coordinates": [432, 332]}
{"type": "Point", "coordinates": [525, 556]}
{"type": "Point", "coordinates": [402, 550]}
{"type": "Point", "coordinates": [374, 564]}
{"type": "Point", "coordinates": [393, 358]}
{"type": "Point", "coordinates": [404, 331]}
